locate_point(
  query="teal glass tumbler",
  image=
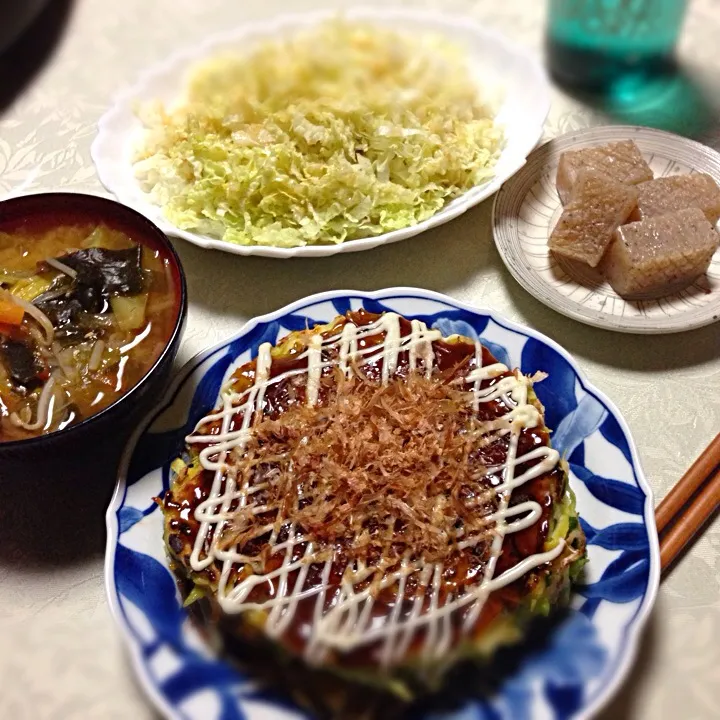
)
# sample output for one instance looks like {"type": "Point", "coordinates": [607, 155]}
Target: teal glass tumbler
{"type": "Point", "coordinates": [594, 44]}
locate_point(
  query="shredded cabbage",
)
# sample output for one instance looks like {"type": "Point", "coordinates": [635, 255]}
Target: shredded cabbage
{"type": "Point", "coordinates": [340, 132]}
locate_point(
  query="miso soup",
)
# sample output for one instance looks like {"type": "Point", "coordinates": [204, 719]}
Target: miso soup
{"type": "Point", "coordinates": [85, 311]}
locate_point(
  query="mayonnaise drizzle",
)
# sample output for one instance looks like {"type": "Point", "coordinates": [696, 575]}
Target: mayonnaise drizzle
{"type": "Point", "coordinates": [348, 623]}
{"type": "Point", "coordinates": [314, 366]}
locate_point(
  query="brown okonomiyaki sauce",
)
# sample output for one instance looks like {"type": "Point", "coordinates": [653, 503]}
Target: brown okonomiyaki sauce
{"type": "Point", "coordinates": [452, 360]}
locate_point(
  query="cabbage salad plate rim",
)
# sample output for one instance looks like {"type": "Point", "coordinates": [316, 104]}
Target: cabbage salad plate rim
{"type": "Point", "coordinates": [521, 113]}
{"type": "Point", "coordinates": [589, 653]}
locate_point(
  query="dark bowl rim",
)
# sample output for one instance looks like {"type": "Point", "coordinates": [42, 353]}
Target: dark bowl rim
{"type": "Point", "coordinates": [134, 216]}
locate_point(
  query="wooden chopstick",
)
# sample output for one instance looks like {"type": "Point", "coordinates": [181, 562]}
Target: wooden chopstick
{"type": "Point", "coordinates": [698, 512]}
{"type": "Point", "coordinates": [680, 495]}
{"type": "Point", "coordinates": [687, 507]}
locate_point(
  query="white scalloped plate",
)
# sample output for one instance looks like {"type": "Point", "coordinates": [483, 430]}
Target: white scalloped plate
{"type": "Point", "coordinates": [527, 208]}
{"type": "Point", "coordinates": [506, 74]}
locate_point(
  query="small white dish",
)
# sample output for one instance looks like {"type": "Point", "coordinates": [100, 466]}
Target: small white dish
{"type": "Point", "coordinates": [505, 72]}
{"type": "Point", "coordinates": [527, 208]}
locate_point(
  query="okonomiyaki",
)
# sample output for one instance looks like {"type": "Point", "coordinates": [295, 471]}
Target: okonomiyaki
{"type": "Point", "coordinates": [376, 500]}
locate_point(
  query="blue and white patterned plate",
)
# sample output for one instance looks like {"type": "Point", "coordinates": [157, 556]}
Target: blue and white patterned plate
{"type": "Point", "coordinates": [571, 676]}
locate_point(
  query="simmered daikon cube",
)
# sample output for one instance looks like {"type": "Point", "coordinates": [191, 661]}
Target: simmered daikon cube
{"type": "Point", "coordinates": [678, 192]}
{"type": "Point", "coordinates": [660, 255]}
{"type": "Point", "coordinates": [597, 207]}
{"type": "Point", "coordinates": [621, 161]}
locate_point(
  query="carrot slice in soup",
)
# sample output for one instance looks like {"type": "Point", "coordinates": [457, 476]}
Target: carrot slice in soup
{"type": "Point", "coordinates": [10, 312]}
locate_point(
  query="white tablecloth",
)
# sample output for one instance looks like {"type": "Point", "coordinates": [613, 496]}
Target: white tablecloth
{"type": "Point", "coordinates": [62, 656]}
